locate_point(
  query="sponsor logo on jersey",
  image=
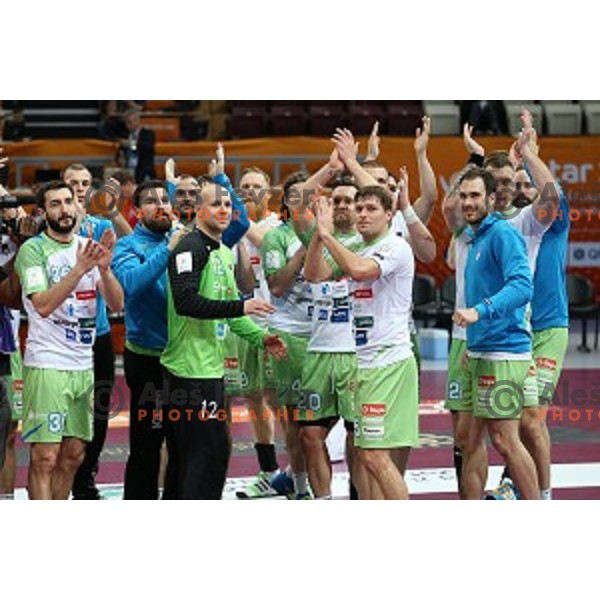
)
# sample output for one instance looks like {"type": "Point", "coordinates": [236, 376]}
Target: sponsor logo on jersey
{"type": "Point", "coordinates": [340, 315]}
{"type": "Point", "coordinates": [373, 410]}
{"type": "Point", "coordinates": [545, 363]}
{"type": "Point", "coordinates": [255, 260]}
{"type": "Point", "coordinates": [373, 433]}
{"type": "Point", "coordinates": [532, 372]}
{"type": "Point", "coordinates": [361, 337]}
{"type": "Point", "coordinates": [487, 381]}
{"type": "Point", "coordinates": [273, 259]}
{"type": "Point", "coordinates": [86, 295]}
{"type": "Point", "coordinates": [183, 262]}
{"type": "Point", "coordinates": [363, 294]}
{"type": "Point", "coordinates": [86, 337]}
{"type": "Point", "coordinates": [323, 314]}
{"type": "Point", "coordinates": [310, 311]}
{"type": "Point", "coordinates": [231, 362]}
{"type": "Point", "coordinates": [70, 335]}
{"type": "Point", "coordinates": [87, 323]}
{"type": "Point", "coordinates": [364, 322]}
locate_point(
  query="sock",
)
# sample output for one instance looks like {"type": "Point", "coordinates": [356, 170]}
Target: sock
{"type": "Point", "coordinates": [328, 497]}
{"type": "Point", "coordinates": [7, 496]}
{"type": "Point", "coordinates": [458, 458]}
{"type": "Point", "coordinates": [546, 494]}
{"type": "Point", "coordinates": [353, 492]}
{"type": "Point", "coordinates": [300, 483]}
{"type": "Point", "coordinates": [267, 459]}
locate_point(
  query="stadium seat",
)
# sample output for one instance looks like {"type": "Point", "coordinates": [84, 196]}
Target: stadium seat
{"type": "Point", "coordinates": [447, 298]}
{"type": "Point", "coordinates": [445, 117]}
{"type": "Point", "coordinates": [582, 306]}
{"type": "Point", "coordinates": [425, 305]}
{"type": "Point", "coordinates": [591, 110]}
{"type": "Point", "coordinates": [362, 117]}
{"type": "Point", "coordinates": [248, 122]}
{"type": "Point", "coordinates": [322, 120]}
{"type": "Point", "coordinates": [248, 104]}
{"type": "Point", "coordinates": [562, 118]}
{"type": "Point", "coordinates": [513, 115]}
{"type": "Point", "coordinates": [288, 120]}
{"type": "Point", "coordinates": [403, 117]}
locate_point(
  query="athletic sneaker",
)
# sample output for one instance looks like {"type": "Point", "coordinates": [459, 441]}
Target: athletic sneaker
{"type": "Point", "coordinates": [261, 488]}
{"type": "Point", "coordinates": [305, 496]}
{"type": "Point", "coordinates": [283, 484]}
{"type": "Point", "coordinates": [505, 491]}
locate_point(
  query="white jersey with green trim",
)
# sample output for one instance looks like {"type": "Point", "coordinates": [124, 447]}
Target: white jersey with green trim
{"type": "Point", "coordinates": [332, 323]}
{"type": "Point", "coordinates": [65, 338]}
{"type": "Point", "coordinates": [382, 306]}
{"type": "Point", "coordinates": [461, 252]}
{"type": "Point", "coordinates": [261, 289]}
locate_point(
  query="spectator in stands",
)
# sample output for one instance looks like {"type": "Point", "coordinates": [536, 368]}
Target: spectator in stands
{"type": "Point", "coordinates": [12, 125]}
{"type": "Point", "coordinates": [139, 147]}
{"type": "Point", "coordinates": [486, 116]}
{"type": "Point", "coordinates": [126, 206]}
{"type": "Point", "coordinates": [112, 126]}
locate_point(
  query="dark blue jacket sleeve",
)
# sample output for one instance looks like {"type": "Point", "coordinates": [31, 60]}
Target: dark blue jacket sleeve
{"type": "Point", "coordinates": [517, 290]}
{"type": "Point", "coordinates": [239, 221]}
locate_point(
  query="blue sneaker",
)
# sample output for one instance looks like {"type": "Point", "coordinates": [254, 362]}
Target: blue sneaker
{"type": "Point", "coordinates": [305, 496]}
{"type": "Point", "coordinates": [505, 491]}
{"type": "Point", "coordinates": [283, 484]}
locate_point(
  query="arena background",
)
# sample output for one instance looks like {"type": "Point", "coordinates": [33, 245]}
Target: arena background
{"type": "Point", "coordinates": [246, 128]}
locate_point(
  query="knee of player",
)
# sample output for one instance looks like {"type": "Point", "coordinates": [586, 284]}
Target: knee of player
{"type": "Point", "coordinates": [73, 456]}
{"type": "Point", "coordinates": [372, 460]}
{"type": "Point", "coordinates": [43, 458]}
{"type": "Point", "coordinates": [311, 438]}
{"type": "Point", "coordinates": [502, 441]}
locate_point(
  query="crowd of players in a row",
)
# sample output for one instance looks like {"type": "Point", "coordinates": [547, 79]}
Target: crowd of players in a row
{"type": "Point", "coordinates": [311, 311]}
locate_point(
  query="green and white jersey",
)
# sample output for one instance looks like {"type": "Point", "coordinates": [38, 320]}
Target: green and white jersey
{"type": "Point", "coordinates": [262, 287]}
{"type": "Point", "coordinates": [461, 251]}
{"type": "Point", "coordinates": [293, 309]}
{"type": "Point", "coordinates": [64, 339]}
{"type": "Point", "coordinates": [332, 316]}
{"type": "Point", "coordinates": [382, 306]}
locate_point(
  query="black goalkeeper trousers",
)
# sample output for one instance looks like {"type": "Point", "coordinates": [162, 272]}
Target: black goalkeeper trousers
{"type": "Point", "coordinates": [196, 428]}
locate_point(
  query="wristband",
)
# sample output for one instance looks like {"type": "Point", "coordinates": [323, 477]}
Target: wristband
{"type": "Point", "coordinates": [410, 216]}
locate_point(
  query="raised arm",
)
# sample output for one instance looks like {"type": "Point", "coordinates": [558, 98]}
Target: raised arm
{"type": "Point", "coordinates": [347, 151]}
{"type": "Point", "coordinates": [244, 273]}
{"type": "Point", "coordinates": [425, 204]}
{"type": "Point", "coordinates": [545, 206]}
{"type": "Point", "coordinates": [421, 240]}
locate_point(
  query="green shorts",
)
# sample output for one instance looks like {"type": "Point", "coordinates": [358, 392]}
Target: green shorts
{"type": "Point", "coordinates": [57, 404]}
{"type": "Point", "coordinates": [329, 382]}
{"type": "Point", "coordinates": [456, 371]}
{"type": "Point", "coordinates": [232, 376]}
{"type": "Point", "coordinates": [387, 406]}
{"type": "Point", "coordinates": [549, 349]}
{"type": "Point", "coordinates": [256, 371]}
{"type": "Point", "coordinates": [288, 373]}
{"type": "Point", "coordinates": [14, 386]}
{"type": "Point", "coordinates": [499, 389]}
{"type": "Point", "coordinates": [414, 340]}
